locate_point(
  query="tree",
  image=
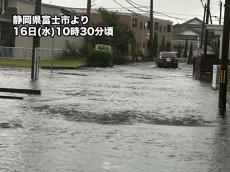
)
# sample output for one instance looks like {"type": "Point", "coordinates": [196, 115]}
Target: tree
{"type": "Point", "coordinates": [185, 55]}
{"type": "Point", "coordinates": [190, 57]}
{"type": "Point", "coordinates": [155, 45]}
{"type": "Point", "coordinates": [122, 34]}
{"type": "Point", "coordinates": [179, 50]}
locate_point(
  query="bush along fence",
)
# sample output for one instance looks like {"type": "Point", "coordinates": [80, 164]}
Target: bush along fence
{"type": "Point", "coordinates": [99, 59]}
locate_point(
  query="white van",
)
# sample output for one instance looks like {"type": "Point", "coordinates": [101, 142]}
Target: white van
{"type": "Point", "coordinates": [105, 48]}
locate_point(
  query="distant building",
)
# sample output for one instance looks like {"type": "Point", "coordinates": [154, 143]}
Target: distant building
{"type": "Point", "coordinates": [139, 24]}
{"type": "Point", "coordinates": [203, 68]}
{"type": "Point", "coordinates": [218, 31]}
{"type": "Point", "coordinates": [11, 7]}
{"type": "Point", "coordinates": [6, 29]}
{"type": "Point", "coordinates": [190, 30]}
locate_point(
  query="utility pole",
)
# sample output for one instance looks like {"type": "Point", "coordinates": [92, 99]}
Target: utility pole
{"type": "Point", "coordinates": [224, 58]}
{"type": "Point", "coordinates": [203, 27]}
{"type": "Point", "coordinates": [151, 31]}
{"type": "Point", "coordinates": [36, 44]}
{"type": "Point", "coordinates": [206, 30]}
{"type": "Point", "coordinates": [88, 13]}
{"type": "Point", "coordinates": [221, 5]}
{"type": "Point", "coordinates": [89, 5]}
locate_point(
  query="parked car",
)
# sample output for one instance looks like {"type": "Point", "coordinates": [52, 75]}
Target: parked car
{"type": "Point", "coordinates": [104, 48]}
{"type": "Point", "coordinates": [167, 59]}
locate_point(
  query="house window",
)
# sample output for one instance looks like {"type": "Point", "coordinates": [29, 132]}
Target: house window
{"type": "Point", "coordinates": [145, 25]}
{"type": "Point", "coordinates": [134, 23]}
{"type": "Point", "coordinates": [169, 28]}
{"type": "Point", "coordinates": [141, 25]}
{"type": "Point", "coordinates": [168, 46]}
{"type": "Point", "coordinates": [5, 32]}
{"type": "Point", "coordinates": [148, 44]}
{"type": "Point", "coordinates": [143, 45]}
{"type": "Point", "coordinates": [149, 25]}
{"type": "Point", "coordinates": [160, 28]}
{"type": "Point", "coordinates": [3, 5]}
{"type": "Point", "coordinates": [156, 26]}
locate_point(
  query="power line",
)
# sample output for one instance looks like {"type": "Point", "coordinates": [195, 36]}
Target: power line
{"type": "Point", "coordinates": [160, 13]}
{"type": "Point", "coordinates": [139, 4]}
{"type": "Point", "coordinates": [165, 12]}
{"type": "Point", "coordinates": [117, 8]}
{"type": "Point", "coordinates": [124, 7]}
{"type": "Point", "coordinates": [130, 2]}
{"type": "Point", "coordinates": [202, 3]}
{"type": "Point", "coordinates": [182, 14]}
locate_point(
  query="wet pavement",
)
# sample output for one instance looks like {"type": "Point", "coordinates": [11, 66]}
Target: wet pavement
{"type": "Point", "coordinates": [133, 118]}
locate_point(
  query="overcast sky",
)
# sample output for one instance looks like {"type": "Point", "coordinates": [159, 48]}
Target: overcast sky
{"type": "Point", "coordinates": [181, 9]}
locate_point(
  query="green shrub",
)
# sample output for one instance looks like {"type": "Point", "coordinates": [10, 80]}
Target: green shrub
{"type": "Point", "coordinates": [99, 59]}
{"type": "Point", "coordinates": [71, 51]}
{"type": "Point", "coordinates": [119, 58]}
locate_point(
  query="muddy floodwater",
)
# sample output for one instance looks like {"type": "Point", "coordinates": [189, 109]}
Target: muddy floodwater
{"type": "Point", "coordinates": [132, 118]}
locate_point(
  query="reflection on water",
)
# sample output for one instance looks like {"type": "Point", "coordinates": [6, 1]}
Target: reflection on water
{"type": "Point", "coordinates": [127, 118]}
{"type": "Point", "coordinates": [221, 145]}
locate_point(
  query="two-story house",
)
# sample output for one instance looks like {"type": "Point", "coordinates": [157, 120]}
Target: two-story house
{"type": "Point", "coordinates": [139, 24]}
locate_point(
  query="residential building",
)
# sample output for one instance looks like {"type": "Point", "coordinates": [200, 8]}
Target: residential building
{"type": "Point", "coordinates": [6, 29]}
{"type": "Point", "coordinates": [10, 7]}
{"type": "Point", "coordinates": [218, 32]}
{"type": "Point", "coordinates": [164, 30]}
{"type": "Point", "coordinates": [139, 24]}
{"type": "Point", "coordinates": [203, 68]}
{"type": "Point", "coordinates": [191, 31]}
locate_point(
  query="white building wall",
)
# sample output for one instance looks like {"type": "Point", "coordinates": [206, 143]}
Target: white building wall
{"type": "Point", "coordinates": [12, 3]}
{"type": "Point", "coordinates": [59, 42]}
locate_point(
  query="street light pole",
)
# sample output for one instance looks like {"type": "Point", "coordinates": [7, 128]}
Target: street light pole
{"type": "Point", "coordinates": [151, 30]}
{"type": "Point", "coordinates": [36, 44]}
{"type": "Point", "coordinates": [224, 58]}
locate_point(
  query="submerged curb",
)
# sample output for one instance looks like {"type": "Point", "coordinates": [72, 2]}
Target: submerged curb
{"type": "Point", "coordinates": [11, 97]}
{"type": "Point", "coordinates": [63, 68]}
{"type": "Point", "coordinates": [21, 91]}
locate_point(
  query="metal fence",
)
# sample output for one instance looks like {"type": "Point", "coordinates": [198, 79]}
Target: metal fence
{"type": "Point", "coordinates": [26, 53]}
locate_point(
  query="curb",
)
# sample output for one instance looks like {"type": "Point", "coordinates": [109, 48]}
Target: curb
{"type": "Point", "coordinates": [21, 91]}
{"type": "Point", "coordinates": [64, 68]}
{"type": "Point", "coordinates": [11, 97]}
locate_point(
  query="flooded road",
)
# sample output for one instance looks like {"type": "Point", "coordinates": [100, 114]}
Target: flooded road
{"type": "Point", "coordinates": [134, 118]}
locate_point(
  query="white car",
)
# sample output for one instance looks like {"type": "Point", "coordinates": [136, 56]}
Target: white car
{"type": "Point", "coordinates": [105, 48]}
